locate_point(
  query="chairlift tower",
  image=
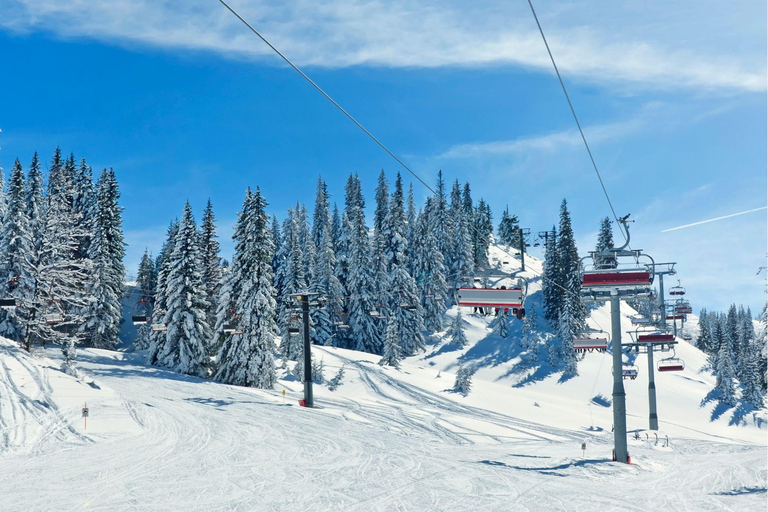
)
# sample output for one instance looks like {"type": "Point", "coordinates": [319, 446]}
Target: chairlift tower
{"type": "Point", "coordinates": [616, 274]}
{"type": "Point", "coordinates": [661, 270]}
{"type": "Point", "coordinates": [305, 300]}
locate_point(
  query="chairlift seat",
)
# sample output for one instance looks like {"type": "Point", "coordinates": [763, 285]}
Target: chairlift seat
{"type": "Point", "coordinates": [8, 303]}
{"type": "Point", "coordinates": [139, 319]}
{"type": "Point", "coordinates": [615, 278]}
{"type": "Point", "coordinates": [159, 327]}
{"type": "Point", "coordinates": [294, 330]}
{"type": "Point", "coordinates": [629, 373]}
{"type": "Point", "coordinates": [671, 365]}
{"type": "Point", "coordinates": [590, 344]}
{"type": "Point", "coordinates": [491, 297]}
{"type": "Point", "coordinates": [639, 320]}
{"type": "Point", "coordinates": [676, 316]}
{"type": "Point", "coordinates": [53, 318]}
{"type": "Point", "coordinates": [655, 338]}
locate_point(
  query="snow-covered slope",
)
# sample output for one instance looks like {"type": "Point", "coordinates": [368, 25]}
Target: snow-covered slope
{"type": "Point", "coordinates": [386, 439]}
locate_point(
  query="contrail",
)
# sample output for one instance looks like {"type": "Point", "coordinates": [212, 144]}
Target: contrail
{"type": "Point", "coordinates": [716, 218]}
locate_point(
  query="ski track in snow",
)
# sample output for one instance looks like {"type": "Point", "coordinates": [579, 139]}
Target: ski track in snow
{"type": "Point", "coordinates": [182, 443]}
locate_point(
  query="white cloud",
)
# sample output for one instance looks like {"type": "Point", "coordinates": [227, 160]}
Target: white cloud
{"type": "Point", "coordinates": [550, 142]}
{"type": "Point", "coordinates": [660, 46]}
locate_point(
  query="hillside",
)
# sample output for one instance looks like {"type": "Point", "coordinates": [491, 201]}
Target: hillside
{"type": "Point", "coordinates": [385, 439]}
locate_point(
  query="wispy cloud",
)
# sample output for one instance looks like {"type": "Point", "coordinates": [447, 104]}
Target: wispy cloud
{"type": "Point", "coordinates": [550, 142]}
{"type": "Point", "coordinates": [621, 47]}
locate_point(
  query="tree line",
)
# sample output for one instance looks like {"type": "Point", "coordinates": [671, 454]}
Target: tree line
{"type": "Point", "coordinates": [61, 255]}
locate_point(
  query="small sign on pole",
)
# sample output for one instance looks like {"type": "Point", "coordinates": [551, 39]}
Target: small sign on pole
{"type": "Point", "coordinates": [583, 449]}
{"type": "Point", "coordinates": [85, 416]}
{"type": "Point", "coordinates": [283, 396]}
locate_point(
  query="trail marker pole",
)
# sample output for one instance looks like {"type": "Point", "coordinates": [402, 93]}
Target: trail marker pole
{"type": "Point", "coordinates": [85, 416]}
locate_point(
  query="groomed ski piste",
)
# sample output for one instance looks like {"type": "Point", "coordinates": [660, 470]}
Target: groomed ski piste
{"type": "Point", "coordinates": [385, 439]}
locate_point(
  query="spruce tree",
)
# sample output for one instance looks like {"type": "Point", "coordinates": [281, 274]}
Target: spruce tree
{"type": "Point", "coordinates": [107, 250]}
{"type": "Point", "coordinates": [704, 339]}
{"type": "Point", "coordinates": [146, 284]}
{"type": "Point", "coordinates": [404, 304]}
{"type": "Point", "coordinates": [501, 323]}
{"type": "Point", "coordinates": [159, 310]}
{"type": "Point", "coordinates": [35, 203]}
{"type": "Point", "coordinates": [16, 251]}
{"type": "Point", "coordinates": [186, 340]}
{"type": "Point", "coordinates": [456, 331]}
{"type": "Point", "coordinates": [248, 359]}
{"type": "Point", "coordinates": [430, 272]}
{"type": "Point", "coordinates": [461, 260]}
{"type": "Point", "coordinates": [483, 230]}
{"type": "Point", "coordinates": [328, 286]}
{"type": "Point", "coordinates": [211, 261]}
{"type": "Point", "coordinates": [360, 286]}
{"type": "Point", "coordinates": [530, 339]}
{"type": "Point", "coordinates": [726, 373]}
{"type": "Point", "coordinates": [604, 242]}
{"type": "Point", "coordinates": [321, 217]}
{"type": "Point", "coordinates": [509, 229]}
{"type": "Point", "coordinates": [553, 294]}
{"type": "Point", "coordinates": [392, 352]}
{"type": "Point", "coordinates": [573, 313]}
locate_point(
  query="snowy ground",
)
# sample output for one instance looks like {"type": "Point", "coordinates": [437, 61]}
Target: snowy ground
{"type": "Point", "coordinates": [387, 439]}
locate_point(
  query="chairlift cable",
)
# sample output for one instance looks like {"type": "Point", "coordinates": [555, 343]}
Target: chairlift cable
{"type": "Point", "coordinates": [398, 160]}
{"type": "Point", "coordinates": [321, 91]}
{"type": "Point", "coordinates": [575, 117]}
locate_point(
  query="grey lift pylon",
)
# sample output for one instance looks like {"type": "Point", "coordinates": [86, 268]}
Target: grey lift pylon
{"type": "Point", "coordinates": [616, 274]}
{"type": "Point", "coordinates": [659, 269]}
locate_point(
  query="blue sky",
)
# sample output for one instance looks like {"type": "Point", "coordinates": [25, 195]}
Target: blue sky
{"type": "Point", "coordinates": [185, 104]}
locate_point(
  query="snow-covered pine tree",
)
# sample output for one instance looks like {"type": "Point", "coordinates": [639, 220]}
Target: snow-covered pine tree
{"type": "Point", "coordinates": [69, 355]}
{"type": "Point", "coordinates": [605, 241]}
{"type": "Point", "coordinates": [107, 250]}
{"type": "Point", "coordinates": [321, 217]}
{"type": "Point", "coordinates": [209, 254]}
{"type": "Point", "coordinates": [380, 253]}
{"type": "Point", "coordinates": [553, 294]}
{"type": "Point", "coordinates": [509, 229]}
{"type": "Point", "coordinates": [361, 289]}
{"type": "Point", "coordinates": [60, 275]}
{"type": "Point", "coordinates": [410, 232]}
{"type": "Point", "coordinates": [16, 250]}
{"type": "Point", "coordinates": [404, 304]}
{"type": "Point", "coordinates": [726, 374]}
{"type": "Point", "coordinates": [572, 314]}
{"type": "Point", "coordinates": [336, 227]}
{"type": "Point", "coordinates": [328, 286]}
{"type": "Point", "coordinates": [751, 381]}
{"type": "Point", "coordinates": [228, 318]}
{"type": "Point", "coordinates": [461, 260]}
{"type": "Point", "coordinates": [456, 331]}
{"type": "Point", "coordinates": [469, 209]}
{"type": "Point", "coordinates": [482, 234]}
{"type": "Point", "coordinates": [501, 323]}
{"type": "Point", "coordinates": [531, 338]}
{"type": "Point", "coordinates": [248, 359]}
{"type": "Point", "coordinates": [84, 203]}
{"type": "Point", "coordinates": [382, 207]}
{"type": "Point", "coordinates": [186, 341]}
{"type": "Point", "coordinates": [761, 345]}
{"type": "Point", "coordinates": [335, 382]}
{"type": "Point", "coordinates": [463, 383]}
{"type": "Point", "coordinates": [35, 204]}
{"type": "Point", "coordinates": [293, 281]}
{"type": "Point", "coordinates": [392, 353]}
{"type": "Point", "coordinates": [159, 310]}
{"type": "Point", "coordinates": [430, 273]}
{"type": "Point", "coordinates": [439, 223]}
{"type": "Point", "coordinates": [704, 339]}
{"type": "Point", "coordinates": [277, 238]}
{"type": "Point", "coordinates": [146, 284]}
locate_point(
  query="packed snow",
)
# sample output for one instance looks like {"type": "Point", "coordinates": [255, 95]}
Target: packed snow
{"type": "Point", "coordinates": [385, 439]}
